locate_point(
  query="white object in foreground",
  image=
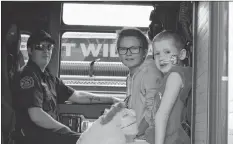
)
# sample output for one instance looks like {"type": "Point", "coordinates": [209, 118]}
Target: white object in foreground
{"type": "Point", "coordinates": [139, 142]}
{"type": "Point", "coordinates": [111, 127]}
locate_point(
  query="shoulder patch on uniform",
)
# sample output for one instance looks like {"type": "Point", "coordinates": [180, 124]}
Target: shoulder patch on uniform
{"type": "Point", "coordinates": [26, 82]}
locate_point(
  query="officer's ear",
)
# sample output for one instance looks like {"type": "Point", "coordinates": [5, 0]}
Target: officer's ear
{"type": "Point", "coordinates": [29, 50]}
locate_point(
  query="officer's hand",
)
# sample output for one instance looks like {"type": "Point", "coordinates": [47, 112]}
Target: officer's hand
{"type": "Point", "coordinates": [64, 130]}
{"type": "Point", "coordinates": [68, 128]}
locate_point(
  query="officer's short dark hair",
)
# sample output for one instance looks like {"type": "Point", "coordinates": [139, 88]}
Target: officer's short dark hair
{"type": "Point", "coordinates": [39, 36]}
{"type": "Point", "coordinates": [135, 32]}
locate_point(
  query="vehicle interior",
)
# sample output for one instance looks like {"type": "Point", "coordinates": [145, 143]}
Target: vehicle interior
{"type": "Point", "coordinates": [86, 59]}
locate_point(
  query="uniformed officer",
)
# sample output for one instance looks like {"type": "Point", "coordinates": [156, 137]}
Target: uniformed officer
{"type": "Point", "coordinates": [38, 93]}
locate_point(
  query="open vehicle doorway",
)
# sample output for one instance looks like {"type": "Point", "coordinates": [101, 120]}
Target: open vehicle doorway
{"type": "Point", "coordinates": [90, 35]}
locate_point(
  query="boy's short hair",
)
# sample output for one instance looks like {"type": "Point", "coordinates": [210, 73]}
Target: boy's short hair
{"type": "Point", "coordinates": [166, 35]}
{"type": "Point", "coordinates": [135, 32]}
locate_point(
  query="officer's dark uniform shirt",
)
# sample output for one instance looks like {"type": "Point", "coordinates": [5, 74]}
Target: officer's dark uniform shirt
{"type": "Point", "coordinates": [39, 89]}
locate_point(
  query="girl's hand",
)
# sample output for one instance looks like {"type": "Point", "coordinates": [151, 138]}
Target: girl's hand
{"type": "Point", "coordinates": [129, 138]}
{"type": "Point", "coordinates": [116, 100]}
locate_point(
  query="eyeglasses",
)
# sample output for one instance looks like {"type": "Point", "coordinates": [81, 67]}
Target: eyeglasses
{"type": "Point", "coordinates": [133, 50]}
{"type": "Point", "coordinates": [43, 47]}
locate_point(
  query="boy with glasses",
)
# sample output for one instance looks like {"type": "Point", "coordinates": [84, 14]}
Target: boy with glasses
{"type": "Point", "coordinates": [144, 77]}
